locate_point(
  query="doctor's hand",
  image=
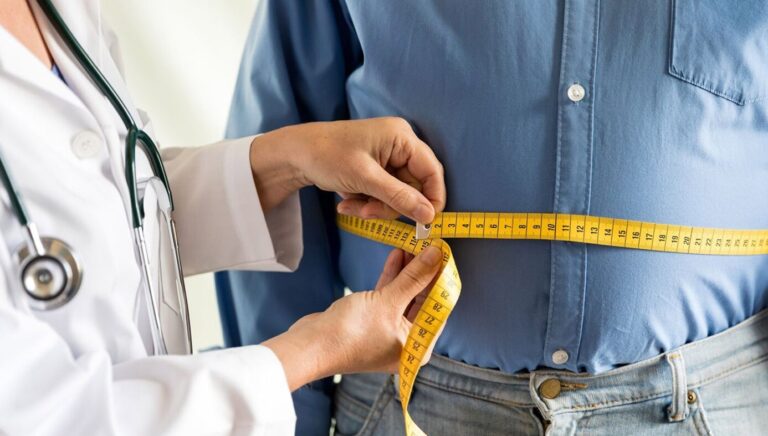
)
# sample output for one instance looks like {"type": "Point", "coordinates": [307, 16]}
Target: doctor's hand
{"type": "Point", "coordinates": [362, 332]}
{"type": "Point", "coordinates": [379, 166]}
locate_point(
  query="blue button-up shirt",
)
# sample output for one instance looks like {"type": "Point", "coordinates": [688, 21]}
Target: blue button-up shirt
{"type": "Point", "coordinates": [672, 128]}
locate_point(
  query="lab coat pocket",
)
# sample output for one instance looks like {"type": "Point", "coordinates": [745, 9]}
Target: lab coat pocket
{"type": "Point", "coordinates": [721, 47]}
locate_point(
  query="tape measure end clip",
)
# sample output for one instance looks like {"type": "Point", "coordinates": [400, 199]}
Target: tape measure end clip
{"type": "Point", "coordinates": [422, 231]}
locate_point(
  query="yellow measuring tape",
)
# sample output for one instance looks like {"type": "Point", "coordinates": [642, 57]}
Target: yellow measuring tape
{"type": "Point", "coordinates": [584, 229]}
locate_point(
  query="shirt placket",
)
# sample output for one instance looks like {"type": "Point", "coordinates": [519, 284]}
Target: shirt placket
{"type": "Point", "coordinates": [572, 180]}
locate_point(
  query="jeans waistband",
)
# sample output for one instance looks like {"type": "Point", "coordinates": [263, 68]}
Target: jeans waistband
{"type": "Point", "coordinates": [687, 367]}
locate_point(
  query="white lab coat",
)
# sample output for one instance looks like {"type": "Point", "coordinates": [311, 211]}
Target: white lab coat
{"type": "Point", "coordinates": [83, 369]}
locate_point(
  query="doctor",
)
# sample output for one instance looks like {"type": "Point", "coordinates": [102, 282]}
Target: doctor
{"type": "Point", "coordinates": [84, 315]}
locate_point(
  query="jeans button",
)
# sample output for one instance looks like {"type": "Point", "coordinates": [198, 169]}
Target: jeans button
{"type": "Point", "coordinates": [691, 397]}
{"type": "Point", "coordinates": [550, 389]}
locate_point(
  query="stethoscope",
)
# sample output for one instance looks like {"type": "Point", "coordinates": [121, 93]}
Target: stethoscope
{"type": "Point", "coordinates": [50, 272]}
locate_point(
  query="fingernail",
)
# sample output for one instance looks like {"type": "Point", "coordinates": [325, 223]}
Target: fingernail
{"type": "Point", "coordinates": [431, 256]}
{"type": "Point", "coordinates": [423, 214]}
{"type": "Point", "coordinates": [342, 209]}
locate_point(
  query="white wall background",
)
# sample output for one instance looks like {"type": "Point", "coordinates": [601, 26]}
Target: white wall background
{"type": "Point", "coordinates": [181, 59]}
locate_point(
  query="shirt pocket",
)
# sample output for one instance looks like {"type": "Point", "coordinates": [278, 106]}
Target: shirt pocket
{"type": "Point", "coordinates": [721, 47]}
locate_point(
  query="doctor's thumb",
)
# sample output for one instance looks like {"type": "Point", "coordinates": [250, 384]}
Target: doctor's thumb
{"type": "Point", "coordinates": [415, 277]}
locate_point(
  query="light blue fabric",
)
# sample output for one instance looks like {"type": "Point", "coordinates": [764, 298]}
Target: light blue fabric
{"type": "Point", "coordinates": [57, 72]}
{"type": "Point", "coordinates": [673, 128]}
{"type": "Point", "coordinates": [718, 386]}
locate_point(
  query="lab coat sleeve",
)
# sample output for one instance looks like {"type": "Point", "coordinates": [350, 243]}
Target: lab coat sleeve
{"type": "Point", "coordinates": [47, 388]}
{"type": "Point", "coordinates": [47, 391]}
{"type": "Point", "coordinates": [219, 220]}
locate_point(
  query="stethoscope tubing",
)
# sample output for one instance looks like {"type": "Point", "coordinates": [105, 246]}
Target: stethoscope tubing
{"type": "Point", "coordinates": [36, 247]}
{"type": "Point", "coordinates": [22, 216]}
{"type": "Point", "coordinates": [134, 134]}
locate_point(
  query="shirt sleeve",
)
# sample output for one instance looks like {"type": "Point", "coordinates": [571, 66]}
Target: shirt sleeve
{"type": "Point", "coordinates": [294, 69]}
{"type": "Point", "coordinates": [219, 220]}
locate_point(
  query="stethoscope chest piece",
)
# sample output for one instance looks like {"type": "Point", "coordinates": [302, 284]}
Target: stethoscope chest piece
{"type": "Point", "coordinates": [50, 278]}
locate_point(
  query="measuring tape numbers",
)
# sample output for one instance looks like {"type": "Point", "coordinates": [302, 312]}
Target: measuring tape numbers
{"type": "Point", "coordinates": [433, 312]}
{"type": "Point", "coordinates": [612, 232]}
{"type": "Point", "coordinates": [585, 229]}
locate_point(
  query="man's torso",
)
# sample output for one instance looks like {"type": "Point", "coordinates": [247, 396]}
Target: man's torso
{"type": "Point", "coordinates": [672, 129]}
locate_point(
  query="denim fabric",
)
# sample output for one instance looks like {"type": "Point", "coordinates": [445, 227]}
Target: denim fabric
{"type": "Point", "coordinates": [716, 386]}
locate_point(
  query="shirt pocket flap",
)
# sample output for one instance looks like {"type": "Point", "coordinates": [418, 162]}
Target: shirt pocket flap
{"type": "Point", "coordinates": [722, 47]}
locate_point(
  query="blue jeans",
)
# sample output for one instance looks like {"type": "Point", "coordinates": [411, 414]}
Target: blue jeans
{"type": "Point", "coordinates": [716, 386]}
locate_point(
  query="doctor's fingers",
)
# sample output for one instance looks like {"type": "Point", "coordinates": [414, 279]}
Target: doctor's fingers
{"type": "Point", "coordinates": [415, 156]}
{"type": "Point", "coordinates": [414, 278]}
{"type": "Point", "coordinates": [364, 206]}
{"type": "Point", "coordinates": [368, 207]}
{"type": "Point", "coordinates": [394, 193]}
{"type": "Point", "coordinates": [395, 262]}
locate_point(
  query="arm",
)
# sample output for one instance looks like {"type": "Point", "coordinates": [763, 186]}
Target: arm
{"type": "Point", "coordinates": [227, 194]}
{"type": "Point", "coordinates": [49, 389]}
{"type": "Point", "coordinates": [362, 332]}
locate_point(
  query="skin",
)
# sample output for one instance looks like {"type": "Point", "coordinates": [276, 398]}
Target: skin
{"type": "Point", "coordinates": [362, 332]}
{"type": "Point", "coordinates": [379, 166]}
{"type": "Point", "coordinates": [17, 18]}
{"type": "Point", "coordinates": [381, 170]}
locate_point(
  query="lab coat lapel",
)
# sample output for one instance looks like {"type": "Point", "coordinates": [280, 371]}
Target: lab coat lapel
{"type": "Point", "coordinates": [84, 20]}
{"type": "Point", "coordinates": [18, 62]}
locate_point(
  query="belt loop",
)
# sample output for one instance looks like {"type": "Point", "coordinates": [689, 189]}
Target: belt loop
{"type": "Point", "coordinates": [678, 410]}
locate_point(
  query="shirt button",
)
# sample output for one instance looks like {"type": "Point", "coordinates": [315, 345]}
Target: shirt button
{"type": "Point", "coordinates": [559, 357]}
{"type": "Point", "coordinates": [576, 92]}
{"type": "Point", "coordinates": [86, 144]}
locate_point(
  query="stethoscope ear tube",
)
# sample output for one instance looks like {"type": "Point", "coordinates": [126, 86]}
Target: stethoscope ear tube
{"type": "Point", "coordinates": [182, 291]}
{"type": "Point", "coordinates": [134, 132]}
{"type": "Point", "coordinates": [149, 295]}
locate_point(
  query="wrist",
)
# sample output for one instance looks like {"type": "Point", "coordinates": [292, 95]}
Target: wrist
{"type": "Point", "coordinates": [274, 166]}
{"type": "Point", "coordinates": [304, 355]}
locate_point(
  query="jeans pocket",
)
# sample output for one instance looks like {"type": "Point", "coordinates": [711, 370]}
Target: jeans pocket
{"type": "Point", "coordinates": [736, 403]}
{"type": "Point", "coordinates": [721, 47]}
{"type": "Point", "coordinates": [698, 416]}
{"type": "Point", "coordinates": [359, 403]}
